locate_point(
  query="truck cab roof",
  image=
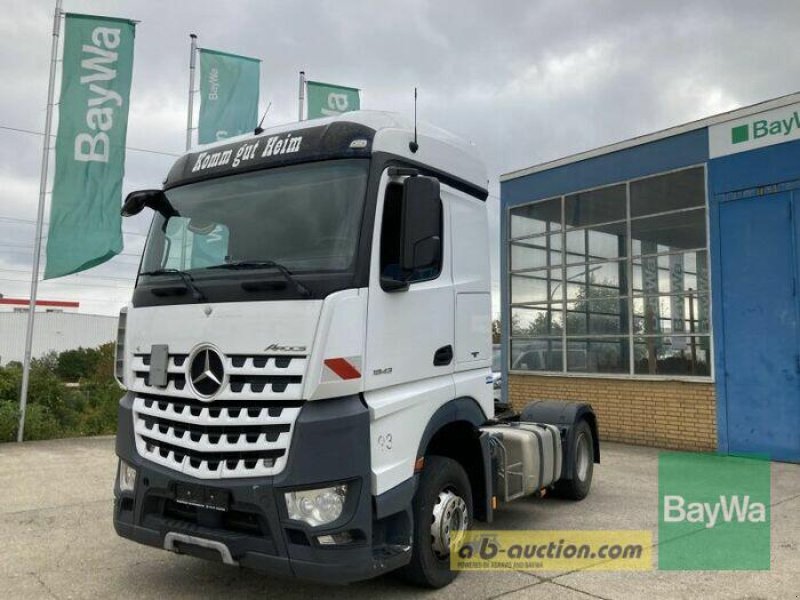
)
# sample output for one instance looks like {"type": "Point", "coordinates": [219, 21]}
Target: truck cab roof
{"type": "Point", "coordinates": [350, 135]}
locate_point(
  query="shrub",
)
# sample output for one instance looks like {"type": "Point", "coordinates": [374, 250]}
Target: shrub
{"type": "Point", "coordinates": [55, 409]}
{"type": "Point", "coordinates": [9, 419]}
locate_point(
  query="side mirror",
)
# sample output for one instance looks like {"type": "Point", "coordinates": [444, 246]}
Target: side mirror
{"type": "Point", "coordinates": [421, 223]}
{"type": "Point", "coordinates": [135, 202]}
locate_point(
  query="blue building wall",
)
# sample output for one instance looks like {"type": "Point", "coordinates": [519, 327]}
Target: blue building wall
{"type": "Point", "coordinates": [758, 181]}
{"type": "Point", "coordinates": [763, 171]}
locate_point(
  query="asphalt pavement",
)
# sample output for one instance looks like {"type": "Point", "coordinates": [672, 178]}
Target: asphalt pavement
{"type": "Point", "coordinates": [57, 540]}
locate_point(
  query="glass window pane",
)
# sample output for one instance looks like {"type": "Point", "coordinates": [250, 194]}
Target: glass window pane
{"type": "Point", "coordinates": [600, 280]}
{"type": "Point", "coordinates": [597, 206]}
{"type": "Point", "coordinates": [532, 253]}
{"type": "Point", "coordinates": [605, 242]}
{"type": "Point", "coordinates": [536, 355]}
{"type": "Point", "coordinates": [544, 320]}
{"type": "Point", "coordinates": [672, 191]}
{"type": "Point", "coordinates": [673, 273]}
{"type": "Point", "coordinates": [671, 314]}
{"type": "Point", "coordinates": [607, 355]}
{"type": "Point", "coordinates": [539, 217]}
{"type": "Point", "coordinates": [672, 355]}
{"type": "Point", "coordinates": [598, 317]}
{"type": "Point", "coordinates": [536, 286]}
{"type": "Point", "coordinates": [669, 233]}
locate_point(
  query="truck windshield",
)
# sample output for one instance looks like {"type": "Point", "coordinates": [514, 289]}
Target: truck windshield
{"type": "Point", "coordinates": [305, 218]}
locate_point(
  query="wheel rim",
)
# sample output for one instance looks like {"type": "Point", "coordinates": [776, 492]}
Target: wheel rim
{"type": "Point", "coordinates": [450, 518]}
{"type": "Point", "coordinates": [583, 456]}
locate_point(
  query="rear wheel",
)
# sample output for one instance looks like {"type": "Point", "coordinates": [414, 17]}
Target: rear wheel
{"type": "Point", "coordinates": [578, 487]}
{"type": "Point", "coordinates": [442, 510]}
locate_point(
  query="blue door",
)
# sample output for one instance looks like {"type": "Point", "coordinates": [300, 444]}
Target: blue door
{"type": "Point", "coordinates": [759, 238]}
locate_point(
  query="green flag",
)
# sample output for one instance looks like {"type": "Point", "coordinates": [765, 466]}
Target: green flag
{"type": "Point", "coordinates": [85, 224]}
{"type": "Point", "coordinates": [325, 100]}
{"type": "Point", "coordinates": [228, 95]}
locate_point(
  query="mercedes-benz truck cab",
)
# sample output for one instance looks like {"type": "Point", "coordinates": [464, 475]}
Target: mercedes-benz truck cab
{"type": "Point", "coordinates": [306, 358]}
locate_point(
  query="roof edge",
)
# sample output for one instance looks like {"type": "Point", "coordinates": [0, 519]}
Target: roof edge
{"type": "Point", "coordinates": [731, 115]}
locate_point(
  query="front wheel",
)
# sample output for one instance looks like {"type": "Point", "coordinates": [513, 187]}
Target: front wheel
{"type": "Point", "coordinates": [577, 488]}
{"type": "Point", "coordinates": [442, 510]}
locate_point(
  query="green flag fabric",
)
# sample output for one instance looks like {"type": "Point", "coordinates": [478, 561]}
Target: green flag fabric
{"type": "Point", "coordinates": [85, 224]}
{"type": "Point", "coordinates": [228, 95]}
{"type": "Point", "coordinates": [326, 100]}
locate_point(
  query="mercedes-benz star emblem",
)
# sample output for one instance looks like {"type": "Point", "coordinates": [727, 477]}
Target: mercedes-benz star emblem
{"type": "Point", "coordinates": [207, 372]}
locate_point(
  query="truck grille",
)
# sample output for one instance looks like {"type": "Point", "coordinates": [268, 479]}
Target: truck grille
{"type": "Point", "coordinates": [245, 432]}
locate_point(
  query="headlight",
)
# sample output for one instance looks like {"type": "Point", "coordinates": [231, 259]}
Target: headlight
{"type": "Point", "coordinates": [316, 507]}
{"type": "Point", "coordinates": [127, 477]}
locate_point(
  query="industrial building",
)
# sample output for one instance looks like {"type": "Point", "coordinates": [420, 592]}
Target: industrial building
{"type": "Point", "coordinates": [657, 278]}
{"type": "Point", "coordinates": [54, 332]}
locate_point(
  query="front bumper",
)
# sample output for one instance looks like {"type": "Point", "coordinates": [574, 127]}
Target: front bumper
{"type": "Point", "coordinates": [330, 444]}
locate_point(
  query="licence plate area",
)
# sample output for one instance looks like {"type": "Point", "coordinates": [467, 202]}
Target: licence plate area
{"type": "Point", "coordinates": [203, 497]}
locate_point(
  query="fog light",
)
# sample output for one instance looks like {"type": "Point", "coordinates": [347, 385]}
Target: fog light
{"type": "Point", "coordinates": [316, 507]}
{"type": "Point", "coordinates": [336, 539]}
{"type": "Point", "coordinates": [127, 477]}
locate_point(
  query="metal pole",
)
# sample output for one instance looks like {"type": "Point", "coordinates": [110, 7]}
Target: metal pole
{"type": "Point", "coordinates": [189, 117]}
{"type": "Point", "coordinates": [37, 246]}
{"type": "Point", "coordinates": [301, 96]}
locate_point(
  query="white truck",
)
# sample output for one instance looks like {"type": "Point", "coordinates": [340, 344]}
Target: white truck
{"type": "Point", "coordinates": [306, 359]}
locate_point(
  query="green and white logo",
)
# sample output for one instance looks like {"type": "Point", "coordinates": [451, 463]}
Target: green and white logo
{"type": "Point", "coordinates": [326, 100]}
{"type": "Point", "coordinates": [713, 512]}
{"type": "Point", "coordinates": [755, 131]}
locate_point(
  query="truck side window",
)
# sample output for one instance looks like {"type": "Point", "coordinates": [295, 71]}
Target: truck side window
{"type": "Point", "coordinates": [391, 242]}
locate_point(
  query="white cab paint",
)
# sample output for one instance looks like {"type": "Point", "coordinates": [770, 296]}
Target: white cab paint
{"type": "Point", "coordinates": [404, 330]}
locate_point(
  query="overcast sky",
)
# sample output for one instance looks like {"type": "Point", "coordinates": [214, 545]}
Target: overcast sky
{"type": "Point", "coordinates": [527, 81]}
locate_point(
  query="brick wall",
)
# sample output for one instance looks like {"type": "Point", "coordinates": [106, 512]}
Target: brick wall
{"type": "Point", "coordinates": [666, 414]}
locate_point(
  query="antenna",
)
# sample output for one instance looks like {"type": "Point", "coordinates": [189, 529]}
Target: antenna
{"type": "Point", "coordinates": [259, 130]}
{"type": "Point", "coordinates": [413, 145]}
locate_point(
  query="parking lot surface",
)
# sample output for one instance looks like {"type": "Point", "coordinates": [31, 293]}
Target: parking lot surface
{"type": "Point", "coordinates": [57, 540]}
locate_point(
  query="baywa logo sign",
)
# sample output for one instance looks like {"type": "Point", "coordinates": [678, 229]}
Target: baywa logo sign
{"type": "Point", "coordinates": [763, 128]}
{"type": "Point", "coordinates": [713, 512]}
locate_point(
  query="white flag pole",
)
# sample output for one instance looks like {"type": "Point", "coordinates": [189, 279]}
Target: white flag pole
{"type": "Point", "coordinates": [301, 96]}
{"type": "Point", "coordinates": [37, 244]}
{"type": "Point", "coordinates": [190, 116]}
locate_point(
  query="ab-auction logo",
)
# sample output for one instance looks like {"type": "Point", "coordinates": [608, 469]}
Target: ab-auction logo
{"type": "Point", "coordinates": [713, 512]}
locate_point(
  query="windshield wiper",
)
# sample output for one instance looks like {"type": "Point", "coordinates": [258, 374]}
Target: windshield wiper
{"type": "Point", "coordinates": [267, 264]}
{"type": "Point", "coordinates": [187, 279]}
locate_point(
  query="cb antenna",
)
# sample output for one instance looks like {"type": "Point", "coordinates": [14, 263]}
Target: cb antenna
{"type": "Point", "coordinates": [259, 130]}
{"type": "Point", "coordinates": [413, 145]}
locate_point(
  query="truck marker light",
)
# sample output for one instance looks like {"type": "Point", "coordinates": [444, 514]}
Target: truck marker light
{"type": "Point", "coordinates": [336, 539]}
{"type": "Point", "coordinates": [127, 477]}
{"type": "Point", "coordinates": [342, 368]}
{"type": "Point", "coordinates": [419, 464]}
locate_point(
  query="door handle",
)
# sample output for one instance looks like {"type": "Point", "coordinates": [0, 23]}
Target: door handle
{"type": "Point", "coordinates": [443, 356]}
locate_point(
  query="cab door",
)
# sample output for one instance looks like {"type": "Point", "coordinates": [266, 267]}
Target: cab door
{"type": "Point", "coordinates": [410, 332]}
{"type": "Point", "coordinates": [410, 340]}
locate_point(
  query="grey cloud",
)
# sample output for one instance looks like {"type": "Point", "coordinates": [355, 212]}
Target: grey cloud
{"type": "Point", "coordinates": [527, 81]}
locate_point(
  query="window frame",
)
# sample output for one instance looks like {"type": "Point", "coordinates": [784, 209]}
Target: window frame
{"type": "Point", "coordinates": [630, 296]}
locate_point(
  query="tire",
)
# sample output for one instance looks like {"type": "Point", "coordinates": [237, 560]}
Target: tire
{"type": "Point", "coordinates": [442, 479]}
{"type": "Point", "coordinates": [582, 457]}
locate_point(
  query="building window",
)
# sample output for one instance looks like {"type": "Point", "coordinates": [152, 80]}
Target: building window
{"type": "Point", "coordinates": [613, 280]}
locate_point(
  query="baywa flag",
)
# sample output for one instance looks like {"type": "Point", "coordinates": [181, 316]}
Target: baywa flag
{"type": "Point", "coordinates": [326, 100]}
{"type": "Point", "coordinates": [85, 223]}
{"type": "Point", "coordinates": [228, 95]}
